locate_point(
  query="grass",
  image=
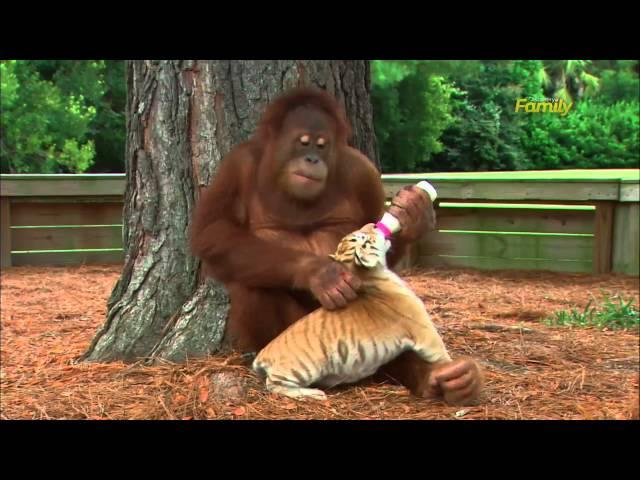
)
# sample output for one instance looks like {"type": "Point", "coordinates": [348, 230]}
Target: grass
{"type": "Point", "coordinates": [613, 313]}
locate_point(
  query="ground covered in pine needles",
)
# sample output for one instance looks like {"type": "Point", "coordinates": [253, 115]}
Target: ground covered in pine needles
{"type": "Point", "coordinates": [533, 371]}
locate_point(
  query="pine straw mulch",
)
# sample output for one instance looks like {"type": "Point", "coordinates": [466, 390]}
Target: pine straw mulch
{"type": "Point", "coordinates": [49, 316]}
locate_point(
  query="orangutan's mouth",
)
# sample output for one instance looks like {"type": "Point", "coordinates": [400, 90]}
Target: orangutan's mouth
{"type": "Point", "coordinates": [305, 176]}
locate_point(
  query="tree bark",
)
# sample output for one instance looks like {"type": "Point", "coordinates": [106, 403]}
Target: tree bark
{"type": "Point", "coordinates": [182, 118]}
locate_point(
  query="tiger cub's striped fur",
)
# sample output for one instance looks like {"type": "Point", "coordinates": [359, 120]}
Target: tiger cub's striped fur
{"type": "Point", "coordinates": [327, 348]}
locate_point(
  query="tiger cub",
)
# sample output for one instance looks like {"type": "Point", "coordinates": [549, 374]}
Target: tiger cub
{"type": "Point", "coordinates": [327, 348]}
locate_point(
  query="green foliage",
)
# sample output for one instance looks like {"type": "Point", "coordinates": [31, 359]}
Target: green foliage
{"type": "Point", "coordinates": [412, 109]}
{"type": "Point", "coordinates": [592, 135]}
{"type": "Point", "coordinates": [570, 80]}
{"type": "Point", "coordinates": [531, 76]}
{"type": "Point", "coordinates": [486, 132]}
{"type": "Point", "coordinates": [620, 83]}
{"type": "Point", "coordinates": [444, 115]}
{"type": "Point", "coordinates": [478, 128]}
{"type": "Point", "coordinates": [74, 77]}
{"type": "Point", "coordinates": [387, 74]}
{"type": "Point", "coordinates": [38, 121]}
{"type": "Point", "coordinates": [602, 128]}
{"type": "Point", "coordinates": [110, 123]}
{"type": "Point", "coordinates": [9, 84]}
{"type": "Point", "coordinates": [613, 314]}
{"type": "Point", "coordinates": [76, 157]}
{"type": "Point", "coordinates": [57, 117]}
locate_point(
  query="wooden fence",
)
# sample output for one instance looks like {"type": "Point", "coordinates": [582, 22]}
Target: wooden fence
{"type": "Point", "coordinates": [572, 220]}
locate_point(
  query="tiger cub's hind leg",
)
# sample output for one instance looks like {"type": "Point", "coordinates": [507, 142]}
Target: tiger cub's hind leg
{"type": "Point", "coordinates": [291, 389]}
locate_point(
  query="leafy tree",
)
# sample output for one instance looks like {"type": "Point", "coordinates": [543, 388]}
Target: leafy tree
{"type": "Point", "coordinates": [602, 128]}
{"type": "Point", "coordinates": [109, 126]}
{"type": "Point", "coordinates": [619, 81]}
{"type": "Point", "coordinates": [44, 129]}
{"type": "Point", "coordinates": [486, 132]}
{"type": "Point", "coordinates": [569, 79]}
{"type": "Point", "coordinates": [62, 116]}
{"type": "Point", "coordinates": [411, 101]}
{"type": "Point", "coordinates": [593, 135]}
{"type": "Point", "coordinates": [69, 116]}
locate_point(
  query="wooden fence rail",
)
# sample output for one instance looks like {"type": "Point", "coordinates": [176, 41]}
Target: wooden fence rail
{"type": "Point", "coordinates": [571, 220]}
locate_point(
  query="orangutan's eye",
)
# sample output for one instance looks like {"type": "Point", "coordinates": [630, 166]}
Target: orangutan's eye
{"type": "Point", "coordinates": [304, 140]}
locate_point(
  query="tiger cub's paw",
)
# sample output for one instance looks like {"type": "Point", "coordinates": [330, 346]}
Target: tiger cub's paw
{"type": "Point", "coordinates": [312, 394]}
{"type": "Point", "coordinates": [298, 393]}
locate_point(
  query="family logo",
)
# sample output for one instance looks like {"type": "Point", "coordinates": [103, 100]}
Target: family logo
{"type": "Point", "coordinates": [530, 105]}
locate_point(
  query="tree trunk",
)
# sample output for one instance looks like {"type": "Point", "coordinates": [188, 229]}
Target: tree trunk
{"type": "Point", "coordinates": [182, 118]}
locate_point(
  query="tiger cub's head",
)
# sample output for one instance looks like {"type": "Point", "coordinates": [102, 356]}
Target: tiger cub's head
{"type": "Point", "coordinates": [366, 248]}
